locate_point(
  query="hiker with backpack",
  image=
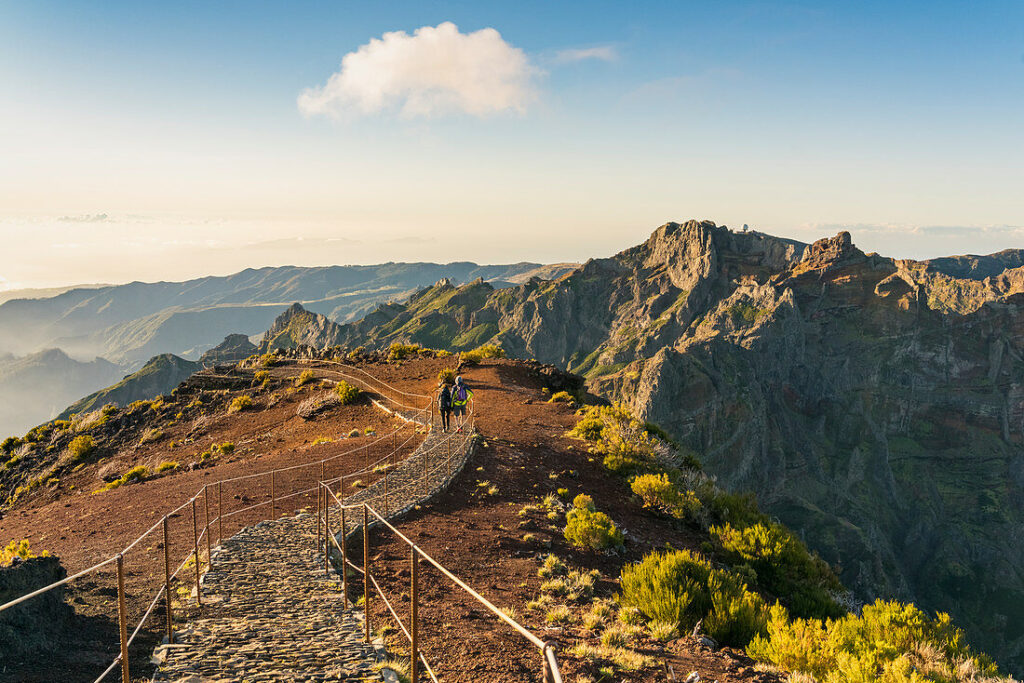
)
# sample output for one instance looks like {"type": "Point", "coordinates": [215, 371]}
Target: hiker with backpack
{"type": "Point", "coordinates": [444, 404]}
{"type": "Point", "coordinates": [461, 394]}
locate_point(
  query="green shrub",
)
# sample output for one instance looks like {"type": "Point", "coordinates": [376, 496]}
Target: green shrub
{"type": "Point", "coordinates": [81, 447]}
{"type": "Point", "coordinates": [400, 351]}
{"type": "Point", "coordinates": [482, 352]}
{"type": "Point", "coordinates": [446, 376]}
{"type": "Point", "coordinates": [561, 397]}
{"type": "Point", "coordinates": [268, 360]}
{"type": "Point", "coordinates": [784, 566]}
{"type": "Point", "coordinates": [150, 436]}
{"type": "Point", "coordinates": [346, 393]}
{"type": "Point", "coordinates": [889, 641]}
{"type": "Point", "coordinates": [680, 588]}
{"type": "Point", "coordinates": [165, 466]}
{"type": "Point", "coordinates": [226, 447]}
{"type": "Point", "coordinates": [138, 473]}
{"type": "Point", "coordinates": [10, 444]}
{"type": "Point", "coordinates": [240, 403]}
{"type": "Point", "coordinates": [659, 493]}
{"type": "Point", "coordinates": [585, 527]}
{"type": "Point", "coordinates": [18, 549]}
{"type": "Point", "coordinates": [261, 376]}
{"type": "Point", "coordinates": [305, 377]}
{"type": "Point", "coordinates": [625, 443]}
{"type": "Point", "coordinates": [353, 434]}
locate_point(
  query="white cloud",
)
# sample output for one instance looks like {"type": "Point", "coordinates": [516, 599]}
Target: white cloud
{"type": "Point", "coordinates": [437, 70]}
{"type": "Point", "coordinates": [605, 53]}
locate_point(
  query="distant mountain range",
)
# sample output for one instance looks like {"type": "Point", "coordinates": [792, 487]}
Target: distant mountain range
{"type": "Point", "coordinates": [127, 325]}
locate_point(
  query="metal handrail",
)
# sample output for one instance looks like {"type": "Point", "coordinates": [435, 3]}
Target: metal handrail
{"type": "Point", "coordinates": [163, 590]}
{"type": "Point", "coordinates": [552, 673]}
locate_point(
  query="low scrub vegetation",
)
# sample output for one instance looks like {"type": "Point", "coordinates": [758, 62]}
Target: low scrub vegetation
{"type": "Point", "coordinates": [446, 376]}
{"type": "Point", "coordinates": [18, 549]}
{"type": "Point", "coordinates": [585, 527]}
{"type": "Point", "coordinates": [481, 352]}
{"type": "Point", "coordinates": [890, 642]}
{"type": "Point", "coordinates": [658, 493]}
{"type": "Point", "coordinates": [81, 447]}
{"type": "Point", "coordinates": [346, 393]}
{"type": "Point", "coordinates": [682, 588]}
{"type": "Point", "coordinates": [166, 466]}
{"type": "Point", "coordinates": [305, 377]}
{"type": "Point", "coordinates": [135, 474]}
{"type": "Point", "coordinates": [268, 360]}
{"type": "Point", "coordinates": [240, 403]}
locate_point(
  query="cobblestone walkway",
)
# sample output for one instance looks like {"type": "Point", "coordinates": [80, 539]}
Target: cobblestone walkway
{"type": "Point", "coordinates": [270, 614]}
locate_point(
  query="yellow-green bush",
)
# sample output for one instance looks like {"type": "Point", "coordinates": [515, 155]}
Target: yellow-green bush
{"type": "Point", "coordinates": [680, 588]}
{"type": "Point", "coordinates": [240, 403]}
{"type": "Point", "coordinates": [561, 397]}
{"type": "Point", "coordinates": [135, 474]}
{"type": "Point", "coordinates": [784, 566]}
{"type": "Point", "coordinates": [659, 493]}
{"type": "Point", "coordinates": [889, 641]}
{"type": "Point", "coordinates": [166, 466]}
{"type": "Point", "coordinates": [268, 360]}
{"type": "Point", "coordinates": [446, 376]}
{"type": "Point", "coordinates": [400, 351]}
{"type": "Point", "coordinates": [81, 447]}
{"type": "Point", "coordinates": [585, 527]}
{"type": "Point", "coordinates": [305, 377]}
{"type": "Point", "coordinates": [484, 351]}
{"type": "Point", "coordinates": [261, 376]}
{"type": "Point", "coordinates": [346, 393]}
{"type": "Point", "coordinates": [19, 549]}
{"type": "Point", "coordinates": [624, 441]}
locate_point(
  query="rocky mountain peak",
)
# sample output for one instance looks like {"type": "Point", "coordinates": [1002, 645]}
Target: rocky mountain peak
{"type": "Point", "coordinates": [830, 249]}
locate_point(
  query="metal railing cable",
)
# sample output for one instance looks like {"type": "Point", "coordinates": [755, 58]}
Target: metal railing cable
{"type": "Point", "coordinates": [551, 670]}
{"type": "Point", "coordinates": [422, 416]}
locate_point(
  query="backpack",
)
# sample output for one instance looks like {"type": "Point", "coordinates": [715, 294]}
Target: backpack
{"type": "Point", "coordinates": [460, 393]}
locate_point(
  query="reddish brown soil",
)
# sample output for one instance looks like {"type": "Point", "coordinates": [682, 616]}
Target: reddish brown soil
{"type": "Point", "coordinates": [474, 534]}
{"type": "Point", "coordinates": [479, 538]}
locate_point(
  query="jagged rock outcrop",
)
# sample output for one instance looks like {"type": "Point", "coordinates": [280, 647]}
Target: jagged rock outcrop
{"type": "Point", "coordinates": [234, 348]}
{"type": "Point", "coordinates": [299, 327]}
{"type": "Point", "coordinates": [874, 405]}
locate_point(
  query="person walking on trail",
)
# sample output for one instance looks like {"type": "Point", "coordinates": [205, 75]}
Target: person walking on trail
{"type": "Point", "coordinates": [461, 395]}
{"type": "Point", "coordinates": [444, 404]}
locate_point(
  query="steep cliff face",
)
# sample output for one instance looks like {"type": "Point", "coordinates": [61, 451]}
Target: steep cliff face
{"type": "Point", "coordinates": [877, 406]}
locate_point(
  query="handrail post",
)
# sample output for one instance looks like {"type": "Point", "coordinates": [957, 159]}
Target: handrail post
{"type": "Point", "coordinates": [414, 656]}
{"type": "Point", "coordinates": [327, 532]}
{"type": "Point", "coordinates": [122, 618]}
{"type": "Point", "coordinates": [273, 494]}
{"type": "Point", "coordinates": [195, 546]}
{"type": "Point", "coordinates": [344, 560]}
{"type": "Point", "coordinates": [319, 510]}
{"type": "Point", "coordinates": [549, 646]}
{"type": "Point", "coordinates": [206, 504]}
{"type": "Point", "coordinates": [167, 583]}
{"type": "Point", "coordinates": [366, 571]}
{"type": "Point", "coordinates": [386, 468]}
{"type": "Point", "coordinates": [220, 512]}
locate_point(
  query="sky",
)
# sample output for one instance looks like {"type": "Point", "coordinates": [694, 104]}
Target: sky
{"type": "Point", "coordinates": [164, 141]}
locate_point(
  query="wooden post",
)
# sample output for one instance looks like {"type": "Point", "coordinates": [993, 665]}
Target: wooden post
{"type": "Point", "coordinates": [319, 508]}
{"type": "Point", "coordinates": [167, 583]}
{"type": "Point", "coordinates": [344, 560]}
{"type": "Point", "coordinates": [220, 513]}
{"type": "Point", "coordinates": [327, 532]}
{"type": "Point", "coordinates": [386, 468]}
{"type": "Point", "coordinates": [206, 504]}
{"type": "Point", "coordinates": [195, 545]}
{"type": "Point", "coordinates": [273, 494]}
{"type": "Point", "coordinates": [414, 656]}
{"type": "Point", "coordinates": [366, 571]}
{"type": "Point", "coordinates": [122, 618]}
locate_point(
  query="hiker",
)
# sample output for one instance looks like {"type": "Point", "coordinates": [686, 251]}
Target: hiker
{"type": "Point", "coordinates": [461, 395]}
{"type": "Point", "coordinates": [444, 404]}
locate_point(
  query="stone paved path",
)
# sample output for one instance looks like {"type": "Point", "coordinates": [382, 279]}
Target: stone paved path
{"type": "Point", "coordinates": [270, 614]}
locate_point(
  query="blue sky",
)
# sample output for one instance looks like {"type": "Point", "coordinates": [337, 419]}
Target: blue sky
{"type": "Point", "coordinates": [166, 140]}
